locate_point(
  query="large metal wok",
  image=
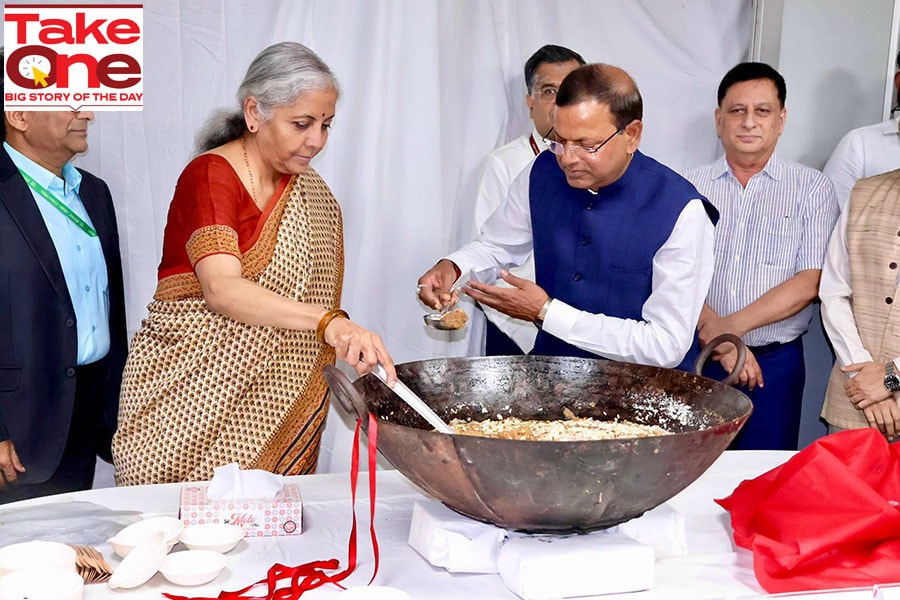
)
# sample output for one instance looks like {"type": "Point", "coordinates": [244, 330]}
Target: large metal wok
{"type": "Point", "coordinates": [549, 486]}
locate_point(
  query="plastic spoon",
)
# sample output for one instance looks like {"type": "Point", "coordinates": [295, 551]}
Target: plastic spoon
{"type": "Point", "coordinates": [416, 403]}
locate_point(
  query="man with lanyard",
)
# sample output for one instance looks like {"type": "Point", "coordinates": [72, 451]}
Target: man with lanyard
{"type": "Point", "coordinates": [544, 71]}
{"type": "Point", "coordinates": [622, 244]}
{"type": "Point", "coordinates": [62, 318]}
{"type": "Point", "coordinates": [777, 217]}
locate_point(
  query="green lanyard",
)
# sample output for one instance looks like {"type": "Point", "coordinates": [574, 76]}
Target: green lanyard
{"type": "Point", "coordinates": [58, 204]}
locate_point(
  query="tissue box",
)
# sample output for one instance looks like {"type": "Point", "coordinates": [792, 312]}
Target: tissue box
{"type": "Point", "coordinates": [281, 515]}
{"type": "Point", "coordinates": [449, 540]}
{"type": "Point", "coordinates": [546, 567]}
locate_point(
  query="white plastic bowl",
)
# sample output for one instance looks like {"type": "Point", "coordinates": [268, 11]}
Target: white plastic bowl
{"type": "Point", "coordinates": [192, 567]}
{"type": "Point", "coordinates": [36, 555]}
{"type": "Point", "coordinates": [42, 584]}
{"type": "Point", "coordinates": [217, 537]}
{"type": "Point", "coordinates": [141, 564]}
{"type": "Point", "coordinates": [127, 539]}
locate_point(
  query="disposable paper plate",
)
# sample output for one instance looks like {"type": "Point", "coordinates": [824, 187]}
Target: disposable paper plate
{"type": "Point", "coordinates": [125, 541]}
{"type": "Point", "coordinates": [192, 567]}
{"type": "Point", "coordinates": [141, 564]}
{"type": "Point", "coordinates": [36, 555]}
{"type": "Point", "coordinates": [217, 537]}
{"type": "Point", "coordinates": [42, 584]}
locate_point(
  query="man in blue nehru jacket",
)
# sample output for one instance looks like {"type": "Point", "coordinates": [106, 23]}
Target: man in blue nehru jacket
{"type": "Point", "coordinates": [623, 246]}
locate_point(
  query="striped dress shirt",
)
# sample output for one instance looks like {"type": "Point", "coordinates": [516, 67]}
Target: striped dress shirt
{"type": "Point", "coordinates": [768, 232]}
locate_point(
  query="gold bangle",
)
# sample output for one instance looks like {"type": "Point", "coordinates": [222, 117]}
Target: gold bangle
{"type": "Point", "coordinates": [326, 320]}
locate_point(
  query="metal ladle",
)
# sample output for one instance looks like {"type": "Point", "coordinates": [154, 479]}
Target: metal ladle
{"type": "Point", "coordinates": [416, 403]}
{"type": "Point", "coordinates": [436, 320]}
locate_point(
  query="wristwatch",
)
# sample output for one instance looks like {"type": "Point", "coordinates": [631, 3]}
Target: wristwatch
{"type": "Point", "coordinates": [891, 381]}
{"type": "Point", "coordinates": [542, 314]}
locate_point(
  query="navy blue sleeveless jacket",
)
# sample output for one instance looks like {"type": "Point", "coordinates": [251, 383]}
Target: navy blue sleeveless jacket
{"type": "Point", "coordinates": [595, 251]}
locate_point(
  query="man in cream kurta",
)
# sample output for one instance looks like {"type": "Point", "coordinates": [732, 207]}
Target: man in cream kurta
{"type": "Point", "coordinates": [858, 292]}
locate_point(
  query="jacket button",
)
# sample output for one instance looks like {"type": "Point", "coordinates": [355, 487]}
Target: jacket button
{"type": "Point", "coordinates": [577, 277]}
{"type": "Point", "coordinates": [70, 372]}
{"type": "Point", "coordinates": [889, 300]}
{"type": "Point", "coordinates": [70, 322]}
{"type": "Point", "coordinates": [585, 241]}
{"type": "Point", "coordinates": [893, 265]}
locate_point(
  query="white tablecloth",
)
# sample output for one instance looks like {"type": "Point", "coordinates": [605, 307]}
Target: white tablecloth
{"type": "Point", "coordinates": [713, 568]}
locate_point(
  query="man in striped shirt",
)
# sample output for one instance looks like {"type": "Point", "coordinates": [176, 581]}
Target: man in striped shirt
{"type": "Point", "coordinates": [776, 217]}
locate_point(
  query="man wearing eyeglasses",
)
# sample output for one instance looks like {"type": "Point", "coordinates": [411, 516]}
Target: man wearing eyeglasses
{"type": "Point", "coordinates": [623, 246]}
{"type": "Point", "coordinates": [544, 71]}
{"type": "Point", "coordinates": [62, 308]}
{"type": "Point", "coordinates": [777, 217]}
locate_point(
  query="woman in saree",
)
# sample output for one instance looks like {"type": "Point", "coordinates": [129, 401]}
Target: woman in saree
{"type": "Point", "coordinates": [227, 367]}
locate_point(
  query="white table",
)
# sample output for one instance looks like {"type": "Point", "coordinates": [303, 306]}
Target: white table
{"type": "Point", "coordinates": [713, 568]}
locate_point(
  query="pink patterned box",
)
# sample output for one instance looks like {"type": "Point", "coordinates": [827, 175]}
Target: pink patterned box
{"type": "Point", "coordinates": [260, 517]}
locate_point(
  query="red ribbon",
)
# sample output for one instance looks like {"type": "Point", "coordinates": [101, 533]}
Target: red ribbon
{"type": "Point", "coordinates": [313, 574]}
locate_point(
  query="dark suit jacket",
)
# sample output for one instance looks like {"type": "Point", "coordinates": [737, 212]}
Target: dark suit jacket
{"type": "Point", "coordinates": [38, 337]}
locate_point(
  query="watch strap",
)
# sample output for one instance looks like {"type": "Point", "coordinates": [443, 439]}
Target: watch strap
{"type": "Point", "coordinates": [891, 380]}
{"type": "Point", "coordinates": [542, 314]}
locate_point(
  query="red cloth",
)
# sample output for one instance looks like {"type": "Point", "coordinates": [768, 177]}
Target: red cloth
{"type": "Point", "coordinates": [827, 518]}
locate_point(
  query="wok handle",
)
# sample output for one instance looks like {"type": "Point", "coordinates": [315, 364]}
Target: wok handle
{"type": "Point", "coordinates": [347, 396]}
{"type": "Point", "coordinates": [713, 343]}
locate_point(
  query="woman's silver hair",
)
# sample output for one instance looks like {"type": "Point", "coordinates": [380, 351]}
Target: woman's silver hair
{"type": "Point", "coordinates": [277, 77]}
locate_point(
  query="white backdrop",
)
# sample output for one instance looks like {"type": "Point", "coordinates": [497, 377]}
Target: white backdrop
{"type": "Point", "coordinates": [428, 88]}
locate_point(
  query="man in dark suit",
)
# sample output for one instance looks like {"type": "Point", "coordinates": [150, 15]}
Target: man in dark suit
{"type": "Point", "coordinates": [62, 315]}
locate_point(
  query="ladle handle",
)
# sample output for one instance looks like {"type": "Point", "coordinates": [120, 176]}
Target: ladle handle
{"type": "Point", "coordinates": [716, 341]}
{"type": "Point", "coordinates": [416, 403]}
{"type": "Point", "coordinates": [347, 396]}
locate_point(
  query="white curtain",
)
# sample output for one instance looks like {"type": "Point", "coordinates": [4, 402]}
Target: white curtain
{"type": "Point", "coordinates": [428, 88]}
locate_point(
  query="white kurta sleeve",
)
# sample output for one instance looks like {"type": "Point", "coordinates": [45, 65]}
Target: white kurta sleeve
{"type": "Point", "coordinates": [836, 294]}
{"type": "Point", "coordinates": [505, 239]}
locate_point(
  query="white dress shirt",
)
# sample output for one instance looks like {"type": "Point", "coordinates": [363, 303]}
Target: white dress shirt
{"type": "Point", "coordinates": [768, 232]}
{"type": "Point", "coordinates": [862, 153]}
{"type": "Point", "coordinates": [498, 171]}
{"type": "Point", "coordinates": [682, 269]}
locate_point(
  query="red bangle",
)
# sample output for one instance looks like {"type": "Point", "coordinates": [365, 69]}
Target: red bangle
{"type": "Point", "coordinates": [326, 320]}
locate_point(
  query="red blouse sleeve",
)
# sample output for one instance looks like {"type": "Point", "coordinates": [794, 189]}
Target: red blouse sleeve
{"type": "Point", "coordinates": [205, 215]}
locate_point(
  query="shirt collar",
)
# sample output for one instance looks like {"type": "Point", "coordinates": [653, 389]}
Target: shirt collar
{"type": "Point", "coordinates": [71, 178]}
{"type": "Point", "coordinates": [774, 167]}
{"type": "Point", "coordinates": [538, 140]}
{"type": "Point", "coordinates": [890, 127]}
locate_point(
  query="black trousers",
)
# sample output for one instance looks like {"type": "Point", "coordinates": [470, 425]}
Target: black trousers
{"type": "Point", "coordinates": [76, 468]}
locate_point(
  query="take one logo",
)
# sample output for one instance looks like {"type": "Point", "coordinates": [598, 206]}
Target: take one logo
{"type": "Point", "coordinates": [73, 57]}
